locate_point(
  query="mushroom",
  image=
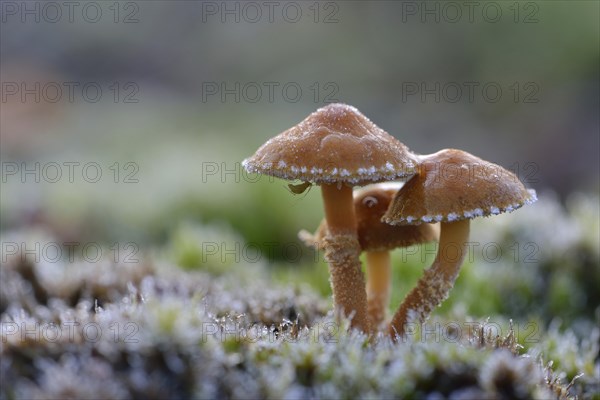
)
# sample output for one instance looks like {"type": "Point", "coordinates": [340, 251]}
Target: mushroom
{"type": "Point", "coordinates": [451, 187]}
{"type": "Point", "coordinates": [377, 239]}
{"type": "Point", "coordinates": [337, 148]}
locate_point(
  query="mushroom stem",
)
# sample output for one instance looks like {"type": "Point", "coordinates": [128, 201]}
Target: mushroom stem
{"type": "Point", "coordinates": [435, 284]}
{"type": "Point", "coordinates": [341, 252]}
{"type": "Point", "coordinates": [379, 276]}
{"type": "Point", "coordinates": [339, 208]}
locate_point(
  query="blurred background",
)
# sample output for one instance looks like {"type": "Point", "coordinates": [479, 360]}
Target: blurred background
{"type": "Point", "coordinates": [126, 122]}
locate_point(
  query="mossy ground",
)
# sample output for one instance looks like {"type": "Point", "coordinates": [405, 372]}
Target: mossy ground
{"type": "Point", "coordinates": [183, 323]}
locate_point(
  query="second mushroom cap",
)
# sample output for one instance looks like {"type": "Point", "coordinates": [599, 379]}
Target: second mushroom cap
{"type": "Point", "coordinates": [453, 185]}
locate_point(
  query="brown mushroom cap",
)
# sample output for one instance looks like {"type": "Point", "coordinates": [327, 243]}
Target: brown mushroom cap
{"type": "Point", "coordinates": [370, 204]}
{"type": "Point", "coordinates": [453, 185]}
{"type": "Point", "coordinates": [336, 143]}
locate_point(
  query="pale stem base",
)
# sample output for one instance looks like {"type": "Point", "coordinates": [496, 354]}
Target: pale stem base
{"type": "Point", "coordinates": [379, 279]}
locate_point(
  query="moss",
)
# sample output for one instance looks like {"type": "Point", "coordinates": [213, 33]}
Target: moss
{"type": "Point", "coordinates": [251, 330]}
